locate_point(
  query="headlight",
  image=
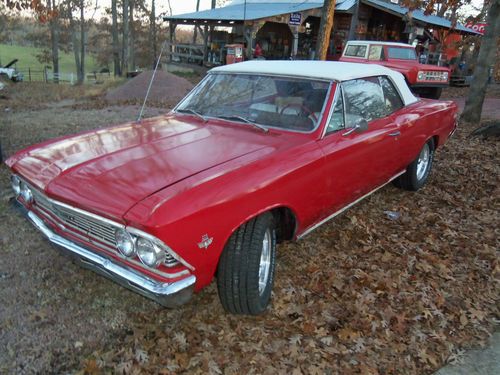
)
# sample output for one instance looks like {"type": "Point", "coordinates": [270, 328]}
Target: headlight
{"type": "Point", "coordinates": [26, 193]}
{"type": "Point", "coordinates": [149, 253]}
{"type": "Point", "coordinates": [16, 184]}
{"type": "Point", "coordinates": [125, 242]}
{"type": "Point", "coordinates": [445, 76]}
{"type": "Point", "coordinates": [420, 76]}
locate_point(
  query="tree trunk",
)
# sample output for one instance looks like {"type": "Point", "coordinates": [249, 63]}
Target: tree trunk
{"type": "Point", "coordinates": [125, 37]}
{"type": "Point", "coordinates": [54, 39]}
{"type": "Point", "coordinates": [195, 34]}
{"type": "Point", "coordinates": [152, 31]}
{"type": "Point", "coordinates": [325, 29]}
{"type": "Point", "coordinates": [131, 40]}
{"type": "Point", "coordinates": [477, 91]}
{"type": "Point", "coordinates": [81, 72]}
{"type": "Point", "coordinates": [114, 32]}
{"type": "Point", "coordinates": [74, 40]}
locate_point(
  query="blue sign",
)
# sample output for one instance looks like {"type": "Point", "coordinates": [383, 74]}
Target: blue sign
{"type": "Point", "coordinates": [295, 19]}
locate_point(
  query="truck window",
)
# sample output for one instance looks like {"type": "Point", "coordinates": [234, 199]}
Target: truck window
{"type": "Point", "coordinates": [355, 50]}
{"type": "Point", "coordinates": [402, 53]}
{"type": "Point", "coordinates": [376, 53]}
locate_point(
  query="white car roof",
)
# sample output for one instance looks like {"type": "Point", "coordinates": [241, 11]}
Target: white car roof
{"type": "Point", "coordinates": [363, 42]}
{"type": "Point", "coordinates": [330, 70]}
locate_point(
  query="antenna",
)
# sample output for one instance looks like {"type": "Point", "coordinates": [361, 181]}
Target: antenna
{"type": "Point", "coordinates": [150, 83]}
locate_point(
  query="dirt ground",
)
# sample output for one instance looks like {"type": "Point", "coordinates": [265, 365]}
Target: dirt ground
{"type": "Point", "coordinates": [363, 294]}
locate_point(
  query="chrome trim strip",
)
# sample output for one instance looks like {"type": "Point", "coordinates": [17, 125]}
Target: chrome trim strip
{"type": "Point", "coordinates": [332, 107]}
{"type": "Point", "coordinates": [314, 226]}
{"type": "Point", "coordinates": [164, 293]}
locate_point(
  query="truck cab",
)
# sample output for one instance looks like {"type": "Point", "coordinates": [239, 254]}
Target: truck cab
{"type": "Point", "coordinates": [424, 80]}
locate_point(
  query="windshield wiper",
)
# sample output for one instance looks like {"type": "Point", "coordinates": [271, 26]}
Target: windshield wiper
{"type": "Point", "coordinates": [193, 112]}
{"type": "Point", "coordinates": [246, 121]}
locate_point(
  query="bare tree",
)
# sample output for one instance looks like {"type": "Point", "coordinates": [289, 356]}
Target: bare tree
{"type": "Point", "coordinates": [114, 35]}
{"type": "Point", "coordinates": [152, 31]}
{"type": "Point", "coordinates": [131, 41]}
{"type": "Point", "coordinates": [477, 91]}
{"type": "Point", "coordinates": [54, 36]}
{"type": "Point", "coordinates": [195, 34]}
{"type": "Point", "coordinates": [325, 29]}
{"type": "Point", "coordinates": [125, 41]}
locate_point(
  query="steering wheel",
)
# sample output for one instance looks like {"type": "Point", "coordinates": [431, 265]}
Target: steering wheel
{"type": "Point", "coordinates": [304, 109]}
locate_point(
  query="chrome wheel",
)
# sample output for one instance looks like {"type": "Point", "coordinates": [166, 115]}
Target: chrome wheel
{"type": "Point", "coordinates": [423, 161]}
{"type": "Point", "coordinates": [265, 261]}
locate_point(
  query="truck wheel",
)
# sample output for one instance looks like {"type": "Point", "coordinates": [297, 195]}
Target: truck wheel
{"type": "Point", "coordinates": [245, 272]}
{"type": "Point", "coordinates": [417, 173]}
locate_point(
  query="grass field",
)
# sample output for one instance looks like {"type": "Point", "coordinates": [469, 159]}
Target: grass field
{"type": "Point", "coordinates": [27, 59]}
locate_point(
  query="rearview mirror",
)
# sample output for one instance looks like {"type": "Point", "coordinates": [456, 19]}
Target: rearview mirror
{"type": "Point", "coordinates": [360, 126]}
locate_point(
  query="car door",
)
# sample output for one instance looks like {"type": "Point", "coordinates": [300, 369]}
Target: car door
{"type": "Point", "coordinates": [358, 161]}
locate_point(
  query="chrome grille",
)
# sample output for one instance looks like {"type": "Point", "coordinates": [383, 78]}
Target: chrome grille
{"type": "Point", "coordinates": [99, 232]}
{"type": "Point", "coordinates": [75, 221]}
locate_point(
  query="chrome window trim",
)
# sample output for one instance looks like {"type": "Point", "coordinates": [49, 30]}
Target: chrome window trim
{"type": "Point", "coordinates": [330, 114]}
{"type": "Point", "coordinates": [316, 127]}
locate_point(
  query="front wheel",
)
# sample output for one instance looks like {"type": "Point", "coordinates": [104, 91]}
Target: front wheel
{"type": "Point", "coordinates": [417, 173]}
{"type": "Point", "coordinates": [245, 273]}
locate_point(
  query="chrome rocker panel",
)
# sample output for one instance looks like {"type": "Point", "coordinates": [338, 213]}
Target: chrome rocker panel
{"type": "Point", "coordinates": [167, 294]}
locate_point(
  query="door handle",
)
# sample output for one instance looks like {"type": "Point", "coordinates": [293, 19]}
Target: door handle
{"type": "Point", "coordinates": [395, 134]}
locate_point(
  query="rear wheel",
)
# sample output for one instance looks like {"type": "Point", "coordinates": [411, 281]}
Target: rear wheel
{"type": "Point", "coordinates": [417, 173]}
{"type": "Point", "coordinates": [245, 273]}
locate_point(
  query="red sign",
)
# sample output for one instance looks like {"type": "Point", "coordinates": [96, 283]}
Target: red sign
{"type": "Point", "coordinates": [479, 27]}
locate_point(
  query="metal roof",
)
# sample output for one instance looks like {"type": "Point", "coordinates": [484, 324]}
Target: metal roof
{"type": "Point", "coordinates": [256, 9]}
{"type": "Point", "coordinates": [253, 11]}
{"type": "Point", "coordinates": [417, 14]}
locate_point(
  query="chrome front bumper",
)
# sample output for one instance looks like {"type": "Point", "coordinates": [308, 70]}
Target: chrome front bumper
{"type": "Point", "coordinates": [167, 294]}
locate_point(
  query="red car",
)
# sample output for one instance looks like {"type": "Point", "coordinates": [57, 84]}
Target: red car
{"type": "Point", "coordinates": [424, 80]}
{"type": "Point", "coordinates": [258, 153]}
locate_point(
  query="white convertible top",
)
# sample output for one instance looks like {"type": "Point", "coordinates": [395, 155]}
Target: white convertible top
{"type": "Point", "coordinates": [330, 70]}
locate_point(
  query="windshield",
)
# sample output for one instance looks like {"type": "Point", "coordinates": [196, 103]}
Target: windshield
{"type": "Point", "coordinates": [402, 53]}
{"type": "Point", "coordinates": [265, 101]}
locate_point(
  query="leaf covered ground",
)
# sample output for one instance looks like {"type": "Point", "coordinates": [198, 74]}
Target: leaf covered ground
{"type": "Point", "coordinates": [402, 283]}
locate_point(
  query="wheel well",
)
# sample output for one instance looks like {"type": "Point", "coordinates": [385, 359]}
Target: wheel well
{"type": "Point", "coordinates": [435, 141]}
{"type": "Point", "coordinates": [286, 223]}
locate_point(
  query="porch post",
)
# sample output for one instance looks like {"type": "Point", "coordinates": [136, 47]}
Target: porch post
{"type": "Point", "coordinates": [354, 22]}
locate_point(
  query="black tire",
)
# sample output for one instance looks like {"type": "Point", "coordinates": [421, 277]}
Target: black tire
{"type": "Point", "coordinates": [413, 179]}
{"type": "Point", "coordinates": [238, 269]}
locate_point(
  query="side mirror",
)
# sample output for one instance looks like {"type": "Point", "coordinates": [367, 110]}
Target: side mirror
{"type": "Point", "coordinates": [360, 126]}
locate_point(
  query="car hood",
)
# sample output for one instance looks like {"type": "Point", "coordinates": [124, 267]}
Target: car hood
{"type": "Point", "coordinates": [108, 171]}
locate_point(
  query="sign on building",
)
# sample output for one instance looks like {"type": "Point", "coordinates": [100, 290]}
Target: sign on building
{"type": "Point", "coordinates": [479, 27]}
{"type": "Point", "coordinates": [295, 19]}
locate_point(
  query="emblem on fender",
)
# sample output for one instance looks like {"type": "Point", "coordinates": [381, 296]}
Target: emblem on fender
{"type": "Point", "coordinates": [205, 242]}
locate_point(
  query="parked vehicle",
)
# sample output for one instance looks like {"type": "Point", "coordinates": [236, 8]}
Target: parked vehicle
{"type": "Point", "coordinates": [11, 73]}
{"type": "Point", "coordinates": [258, 153]}
{"type": "Point", "coordinates": [424, 80]}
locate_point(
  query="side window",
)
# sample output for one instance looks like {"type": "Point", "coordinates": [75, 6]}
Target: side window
{"type": "Point", "coordinates": [337, 119]}
{"type": "Point", "coordinates": [376, 53]}
{"type": "Point", "coordinates": [355, 50]}
{"type": "Point", "coordinates": [364, 99]}
{"type": "Point", "coordinates": [392, 99]}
